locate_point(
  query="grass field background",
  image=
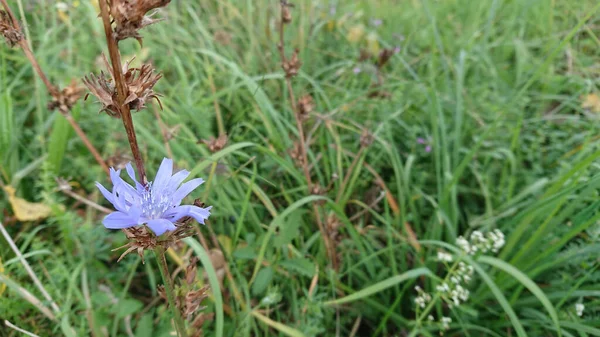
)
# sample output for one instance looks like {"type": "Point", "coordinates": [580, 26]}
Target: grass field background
{"type": "Point", "coordinates": [485, 117]}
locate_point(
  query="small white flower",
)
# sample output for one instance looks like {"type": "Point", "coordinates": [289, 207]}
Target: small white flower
{"type": "Point", "coordinates": [444, 257]}
{"type": "Point", "coordinates": [430, 318]}
{"type": "Point", "coordinates": [446, 322]}
{"type": "Point", "coordinates": [463, 244]}
{"type": "Point", "coordinates": [455, 279]}
{"type": "Point", "coordinates": [579, 307]}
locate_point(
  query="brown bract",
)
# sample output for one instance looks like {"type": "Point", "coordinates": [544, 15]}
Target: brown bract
{"type": "Point", "coordinates": [130, 16]}
{"type": "Point", "coordinates": [141, 238]}
{"type": "Point", "coordinates": [384, 57]}
{"type": "Point", "coordinates": [366, 138]}
{"type": "Point", "coordinates": [66, 98]}
{"type": "Point", "coordinates": [11, 34]}
{"type": "Point", "coordinates": [139, 84]}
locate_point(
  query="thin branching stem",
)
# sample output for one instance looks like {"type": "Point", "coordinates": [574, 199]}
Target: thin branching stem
{"type": "Point", "coordinates": [328, 243]}
{"type": "Point", "coordinates": [166, 276]}
{"type": "Point", "coordinates": [53, 90]}
{"type": "Point", "coordinates": [115, 59]}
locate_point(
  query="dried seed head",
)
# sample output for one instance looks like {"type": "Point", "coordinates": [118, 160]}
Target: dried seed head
{"type": "Point", "coordinates": [139, 84]}
{"type": "Point", "coordinates": [192, 301]}
{"type": "Point", "coordinates": [333, 224]}
{"type": "Point", "coordinates": [384, 57]}
{"type": "Point", "coordinates": [296, 154]}
{"type": "Point", "coordinates": [291, 66]}
{"type": "Point", "coordinates": [11, 34]}
{"type": "Point", "coordinates": [366, 138]}
{"type": "Point", "coordinates": [305, 106]}
{"type": "Point", "coordinates": [215, 144]}
{"type": "Point", "coordinates": [66, 98]}
{"type": "Point", "coordinates": [286, 14]}
{"type": "Point", "coordinates": [130, 16]}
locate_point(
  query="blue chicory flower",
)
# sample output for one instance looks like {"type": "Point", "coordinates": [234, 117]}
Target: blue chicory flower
{"type": "Point", "coordinates": [157, 205]}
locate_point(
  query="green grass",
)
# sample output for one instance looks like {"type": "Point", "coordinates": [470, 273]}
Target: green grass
{"type": "Point", "coordinates": [495, 87]}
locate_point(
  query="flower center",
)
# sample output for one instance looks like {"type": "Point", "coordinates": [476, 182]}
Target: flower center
{"type": "Point", "coordinates": [154, 203]}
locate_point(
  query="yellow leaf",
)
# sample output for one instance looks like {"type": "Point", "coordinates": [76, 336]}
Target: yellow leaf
{"type": "Point", "coordinates": [25, 210]}
{"type": "Point", "coordinates": [591, 102]}
{"type": "Point", "coordinates": [373, 44]}
{"type": "Point", "coordinates": [355, 33]}
{"type": "Point", "coordinates": [2, 285]}
{"type": "Point", "coordinates": [330, 25]}
{"type": "Point", "coordinates": [226, 243]}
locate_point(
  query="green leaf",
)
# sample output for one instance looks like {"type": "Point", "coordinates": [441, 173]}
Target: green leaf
{"type": "Point", "coordinates": [381, 286]}
{"type": "Point", "coordinates": [245, 253]}
{"type": "Point", "coordinates": [527, 282]}
{"type": "Point", "coordinates": [144, 326]}
{"type": "Point", "coordinates": [300, 265]}
{"type": "Point", "coordinates": [263, 279]}
{"type": "Point", "coordinates": [128, 307]}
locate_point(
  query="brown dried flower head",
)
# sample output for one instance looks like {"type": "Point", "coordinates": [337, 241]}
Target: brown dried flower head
{"type": "Point", "coordinates": [292, 66]}
{"type": "Point", "coordinates": [130, 16]}
{"type": "Point", "coordinates": [305, 106]}
{"type": "Point", "coordinates": [66, 98]}
{"type": "Point", "coordinates": [366, 138]}
{"type": "Point", "coordinates": [286, 14]}
{"type": "Point", "coordinates": [296, 154]}
{"type": "Point", "coordinates": [384, 57]}
{"type": "Point", "coordinates": [11, 34]}
{"type": "Point", "coordinates": [215, 144]}
{"type": "Point", "coordinates": [139, 84]}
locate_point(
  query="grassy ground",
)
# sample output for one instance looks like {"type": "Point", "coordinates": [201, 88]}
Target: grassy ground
{"type": "Point", "coordinates": [480, 121]}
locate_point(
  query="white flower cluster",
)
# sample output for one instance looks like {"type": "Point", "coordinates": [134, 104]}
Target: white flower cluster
{"type": "Point", "coordinates": [493, 241]}
{"type": "Point", "coordinates": [455, 292]}
{"type": "Point", "coordinates": [423, 297]}
{"type": "Point", "coordinates": [446, 322]}
{"type": "Point", "coordinates": [579, 307]}
{"type": "Point", "coordinates": [444, 257]}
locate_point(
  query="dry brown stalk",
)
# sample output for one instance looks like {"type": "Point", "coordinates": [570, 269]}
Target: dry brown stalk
{"type": "Point", "coordinates": [122, 91]}
{"type": "Point", "coordinates": [63, 100]}
{"type": "Point", "coordinates": [291, 68]}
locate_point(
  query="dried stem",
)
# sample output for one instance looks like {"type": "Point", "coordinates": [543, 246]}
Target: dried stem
{"type": "Point", "coordinates": [29, 297]}
{"type": "Point", "coordinates": [164, 132]}
{"type": "Point", "coordinates": [23, 331]}
{"type": "Point", "coordinates": [54, 92]}
{"type": "Point", "coordinates": [115, 59]}
{"type": "Point", "coordinates": [27, 267]}
{"type": "Point", "coordinates": [159, 251]}
{"type": "Point", "coordinates": [328, 243]}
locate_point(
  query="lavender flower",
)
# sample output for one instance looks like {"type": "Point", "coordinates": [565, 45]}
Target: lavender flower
{"type": "Point", "coordinates": [158, 205]}
{"type": "Point", "coordinates": [426, 142]}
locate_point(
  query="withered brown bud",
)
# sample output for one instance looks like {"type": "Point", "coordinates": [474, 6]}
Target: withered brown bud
{"type": "Point", "coordinates": [130, 16]}
{"type": "Point", "coordinates": [384, 57]}
{"type": "Point", "coordinates": [366, 138]}
{"type": "Point", "coordinates": [333, 224]}
{"type": "Point", "coordinates": [215, 144]}
{"type": "Point", "coordinates": [192, 301]}
{"type": "Point", "coordinates": [11, 34]}
{"type": "Point", "coordinates": [286, 14]}
{"type": "Point", "coordinates": [66, 98]}
{"type": "Point", "coordinates": [191, 270]}
{"type": "Point", "coordinates": [291, 66]}
{"type": "Point", "coordinates": [305, 106]}
{"type": "Point", "coordinates": [296, 153]}
{"type": "Point", "coordinates": [138, 81]}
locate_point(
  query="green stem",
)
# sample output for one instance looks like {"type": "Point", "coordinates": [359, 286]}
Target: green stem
{"type": "Point", "coordinates": [164, 272]}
